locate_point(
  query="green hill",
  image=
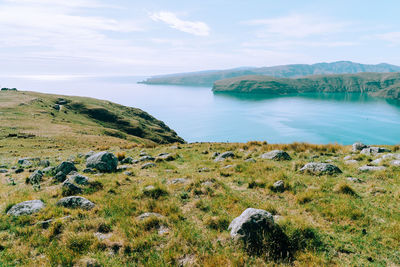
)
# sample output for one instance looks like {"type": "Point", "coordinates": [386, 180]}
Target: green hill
{"type": "Point", "coordinates": [207, 78]}
{"type": "Point", "coordinates": [378, 84]}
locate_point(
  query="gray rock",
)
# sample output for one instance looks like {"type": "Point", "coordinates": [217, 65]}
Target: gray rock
{"type": "Point", "coordinates": [76, 202]}
{"type": "Point", "coordinates": [66, 167]}
{"type": "Point", "coordinates": [347, 158]}
{"type": "Point", "coordinates": [358, 146]}
{"type": "Point", "coordinates": [60, 177]}
{"type": "Point", "coordinates": [165, 156]}
{"type": "Point", "coordinates": [351, 161]}
{"type": "Point", "coordinates": [317, 168]}
{"type": "Point", "coordinates": [177, 181]}
{"type": "Point", "coordinates": [146, 158]}
{"type": "Point", "coordinates": [228, 166]}
{"type": "Point", "coordinates": [48, 170]}
{"type": "Point", "coordinates": [148, 165]}
{"type": "Point", "coordinates": [79, 179]}
{"type": "Point", "coordinates": [19, 170]}
{"type": "Point", "coordinates": [102, 236]}
{"type": "Point", "coordinates": [143, 154]}
{"type": "Point", "coordinates": [205, 169]}
{"type": "Point", "coordinates": [374, 150]}
{"type": "Point", "coordinates": [278, 186]}
{"type": "Point", "coordinates": [148, 215]}
{"type": "Point", "coordinates": [44, 163]}
{"type": "Point", "coordinates": [26, 208]}
{"type": "Point", "coordinates": [128, 160]}
{"type": "Point", "coordinates": [251, 160]}
{"type": "Point", "coordinates": [3, 171]}
{"type": "Point", "coordinates": [70, 189]}
{"type": "Point", "coordinates": [128, 173]}
{"type": "Point", "coordinates": [89, 154]}
{"type": "Point", "coordinates": [276, 155]}
{"type": "Point", "coordinates": [367, 168]}
{"type": "Point", "coordinates": [36, 177]}
{"type": "Point", "coordinates": [395, 163]}
{"type": "Point", "coordinates": [225, 155]}
{"type": "Point", "coordinates": [25, 163]}
{"type": "Point", "coordinates": [251, 225]}
{"type": "Point", "coordinates": [215, 154]}
{"type": "Point", "coordinates": [103, 162]}
{"type": "Point", "coordinates": [88, 170]}
{"type": "Point", "coordinates": [355, 180]}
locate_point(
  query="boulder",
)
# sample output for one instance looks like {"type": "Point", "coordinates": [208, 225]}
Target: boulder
{"type": "Point", "coordinates": [59, 177]}
{"type": "Point", "coordinates": [79, 179]}
{"type": "Point", "coordinates": [66, 167]}
{"type": "Point", "coordinates": [374, 150]}
{"type": "Point", "coordinates": [26, 208]}
{"type": "Point", "coordinates": [367, 168]}
{"type": "Point", "coordinates": [251, 160]}
{"type": "Point", "coordinates": [36, 177]}
{"type": "Point", "coordinates": [355, 180]}
{"type": "Point", "coordinates": [3, 171]}
{"type": "Point", "coordinates": [89, 154]}
{"type": "Point", "coordinates": [70, 189]}
{"type": "Point", "coordinates": [276, 155]}
{"type": "Point", "coordinates": [128, 160]}
{"type": "Point", "coordinates": [148, 215]}
{"type": "Point", "coordinates": [146, 158]}
{"type": "Point", "coordinates": [19, 170]}
{"type": "Point", "coordinates": [358, 146]}
{"type": "Point", "coordinates": [103, 162]}
{"type": "Point", "coordinates": [166, 157]}
{"type": "Point", "coordinates": [225, 155]}
{"type": "Point", "coordinates": [44, 163]}
{"type": "Point", "coordinates": [177, 181]}
{"type": "Point", "coordinates": [395, 163]}
{"type": "Point", "coordinates": [318, 168]}
{"type": "Point", "coordinates": [76, 202]}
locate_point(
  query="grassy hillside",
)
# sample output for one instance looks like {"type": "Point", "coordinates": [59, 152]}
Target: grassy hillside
{"type": "Point", "coordinates": [379, 84]}
{"type": "Point", "coordinates": [327, 220]}
{"type": "Point", "coordinates": [207, 78]}
{"type": "Point", "coordinates": [79, 120]}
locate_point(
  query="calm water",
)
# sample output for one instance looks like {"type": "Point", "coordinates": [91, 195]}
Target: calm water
{"type": "Point", "coordinates": [197, 114]}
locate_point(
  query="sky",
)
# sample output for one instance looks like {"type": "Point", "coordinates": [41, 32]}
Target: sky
{"type": "Point", "coordinates": [132, 37]}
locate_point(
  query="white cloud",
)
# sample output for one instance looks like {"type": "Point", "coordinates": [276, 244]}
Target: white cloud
{"type": "Point", "coordinates": [193, 27]}
{"type": "Point", "coordinates": [296, 26]}
{"type": "Point", "coordinates": [391, 37]}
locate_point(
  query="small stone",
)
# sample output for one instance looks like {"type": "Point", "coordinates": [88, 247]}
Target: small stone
{"type": "Point", "coordinates": [101, 236]}
{"type": "Point", "coordinates": [278, 186]}
{"type": "Point", "coordinates": [228, 166]}
{"type": "Point", "coordinates": [128, 160]}
{"type": "Point", "coordinates": [26, 208]}
{"type": "Point", "coordinates": [320, 168]}
{"type": "Point", "coordinates": [205, 169]}
{"type": "Point", "coordinates": [358, 146]}
{"type": "Point", "coordinates": [347, 158]}
{"type": "Point", "coordinates": [148, 165]}
{"type": "Point", "coordinates": [177, 181]}
{"type": "Point", "coordinates": [355, 180]}
{"type": "Point", "coordinates": [146, 158]}
{"type": "Point", "coordinates": [148, 215]}
{"type": "Point", "coordinates": [3, 171]}
{"type": "Point", "coordinates": [276, 155]}
{"type": "Point", "coordinates": [128, 173]}
{"type": "Point", "coordinates": [251, 160]}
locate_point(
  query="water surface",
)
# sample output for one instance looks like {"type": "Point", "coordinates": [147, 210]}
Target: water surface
{"type": "Point", "coordinates": [197, 114]}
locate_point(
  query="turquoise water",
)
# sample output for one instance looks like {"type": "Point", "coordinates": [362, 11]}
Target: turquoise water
{"type": "Point", "coordinates": [197, 114]}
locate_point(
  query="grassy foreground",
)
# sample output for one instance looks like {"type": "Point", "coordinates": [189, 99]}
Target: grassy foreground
{"type": "Point", "coordinates": [329, 220]}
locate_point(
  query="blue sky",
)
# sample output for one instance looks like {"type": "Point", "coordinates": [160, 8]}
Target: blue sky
{"type": "Point", "coordinates": [129, 37]}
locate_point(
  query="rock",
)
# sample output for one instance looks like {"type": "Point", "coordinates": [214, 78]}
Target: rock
{"type": "Point", "coordinates": [56, 107]}
{"type": "Point", "coordinates": [358, 146]}
{"type": "Point", "coordinates": [278, 186]}
{"type": "Point", "coordinates": [355, 180]}
{"type": "Point", "coordinates": [128, 160]}
{"type": "Point", "coordinates": [215, 154]}
{"type": "Point", "coordinates": [103, 162]}
{"type": "Point", "coordinates": [143, 154]}
{"type": "Point", "coordinates": [347, 158]}
{"type": "Point", "coordinates": [228, 166]}
{"type": "Point", "coordinates": [377, 190]}
{"type": "Point", "coordinates": [102, 236]}
{"type": "Point", "coordinates": [148, 215]}
{"type": "Point", "coordinates": [251, 225]}
{"type": "Point", "coordinates": [76, 202]}
{"type": "Point", "coordinates": [225, 155]}
{"type": "Point", "coordinates": [66, 167]}
{"type": "Point", "coordinates": [44, 163]}
{"type": "Point", "coordinates": [320, 168]}
{"type": "Point", "coordinates": [374, 150]}
{"type": "Point", "coordinates": [367, 168]}
{"type": "Point", "coordinates": [123, 168]}
{"type": "Point", "coordinates": [351, 161]}
{"type": "Point", "coordinates": [148, 165]}
{"type": "Point", "coordinates": [146, 158]}
{"type": "Point", "coordinates": [48, 170]}
{"type": "Point", "coordinates": [89, 154]}
{"type": "Point", "coordinates": [205, 169]}
{"type": "Point", "coordinates": [251, 160]}
{"type": "Point", "coordinates": [88, 262]}
{"type": "Point", "coordinates": [207, 183]}
{"type": "Point", "coordinates": [70, 189]}
{"type": "Point", "coordinates": [26, 208]}
{"type": "Point", "coordinates": [79, 179]}
{"type": "Point", "coordinates": [59, 177]}
{"type": "Point", "coordinates": [177, 181]}
{"type": "Point", "coordinates": [395, 163]}
{"type": "Point", "coordinates": [3, 171]}
{"type": "Point", "coordinates": [19, 170]}
{"type": "Point", "coordinates": [166, 157]}
{"type": "Point", "coordinates": [276, 155]}
{"type": "Point", "coordinates": [88, 170]}
{"type": "Point", "coordinates": [128, 173]}
{"type": "Point", "coordinates": [25, 163]}
{"type": "Point", "coordinates": [163, 230]}
{"type": "Point", "coordinates": [61, 101]}
{"type": "Point", "coordinates": [36, 177]}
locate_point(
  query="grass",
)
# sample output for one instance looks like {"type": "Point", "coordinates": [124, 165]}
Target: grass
{"type": "Point", "coordinates": [326, 220]}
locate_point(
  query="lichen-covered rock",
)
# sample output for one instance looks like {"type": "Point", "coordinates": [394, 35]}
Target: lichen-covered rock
{"type": "Point", "coordinates": [79, 179]}
{"type": "Point", "coordinates": [318, 168]}
{"type": "Point", "coordinates": [128, 160]}
{"type": "Point", "coordinates": [70, 189]}
{"type": "Point", "coordinates": [278, 186]}
{"type": "Point", "coordinates": [367, 168]}
{"type": "Point", "coordinates": [59, 177]}
{"type": "Point", "coordinates": [395, 163]}
{"type": "Point", "coordinates": [358, 146]}
{"type": "Point", "coordinates": [225, 155]}
{"type": "Point", "coordinates": [76, 202]}
{"type": "Point", "coordinates": [374, 150]}
{"type": "Point", "coordinates": [146, 158]}
{"type": "Point", "coordinates": [276, 155]}
{"type": "Point", "coordinates": [66, 167]}
{"type": "Point", "coordinates": [250, 160]}
{"type": "Point", "coordinates": [103, 162]}
{"type": "Point", "coordinates": [44, 163]}
{"type": "Point", "coordinates": [36, 177]}
{"type": "Point", "coordinates": [148, 165]}
{"type": "Point", "coordinates": [26, 208]}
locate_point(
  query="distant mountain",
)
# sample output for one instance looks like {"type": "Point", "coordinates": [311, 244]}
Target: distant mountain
{"type": "Point", "coordinates": [378, 84]}
{"type": "Point", "coordinates": [207, 78]}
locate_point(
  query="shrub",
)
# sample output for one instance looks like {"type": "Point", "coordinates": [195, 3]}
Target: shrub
{"type": "Point", "coordinates": [121, 155]}
{"type": "Point", "coordinates": [345, 189]}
